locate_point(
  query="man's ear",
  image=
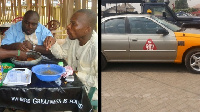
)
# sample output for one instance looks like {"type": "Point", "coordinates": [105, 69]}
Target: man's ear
{"type": "Point", "coordinates": [88, 29]}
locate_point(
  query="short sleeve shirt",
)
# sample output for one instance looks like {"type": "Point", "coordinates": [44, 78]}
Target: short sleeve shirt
{"type": "Point", "coordinates": [15, 34]}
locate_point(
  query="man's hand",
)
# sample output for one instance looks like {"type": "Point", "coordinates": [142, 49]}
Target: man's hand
{"type": "Point", "coordinates": [22, 56]}
{"type": "Point", "coordinates": [48, 42]}
{"type": "Point", "coordinates": [28, 44]}
{"type": "Point", "coordinates": [22, 47]}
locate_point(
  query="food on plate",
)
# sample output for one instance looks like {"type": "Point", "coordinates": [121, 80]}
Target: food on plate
{"type": "Point", "coordinates": [30, 59]}
{"type": "Point", "coordinates": [7, 67]}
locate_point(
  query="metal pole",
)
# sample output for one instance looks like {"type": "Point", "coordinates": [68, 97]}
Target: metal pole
{"type": "Point", "coordinates": [116, 8]}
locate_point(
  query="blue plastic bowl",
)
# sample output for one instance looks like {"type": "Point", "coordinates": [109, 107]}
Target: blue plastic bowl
{"type": "Point", "coordinates": [48, 72]}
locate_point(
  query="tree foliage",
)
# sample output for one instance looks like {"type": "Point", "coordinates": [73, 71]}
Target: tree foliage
{"type": "Point", "coordinates": [160, 0]}
{"type": "Point", "coordinates": [181, 4]}
{"type": "Point", "coordinates": [188, 10]}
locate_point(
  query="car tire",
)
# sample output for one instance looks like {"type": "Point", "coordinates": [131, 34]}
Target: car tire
{"type": "Point", "coordinates": [192, 60]}
{"type": "Point", "coordinates": [103, 62]}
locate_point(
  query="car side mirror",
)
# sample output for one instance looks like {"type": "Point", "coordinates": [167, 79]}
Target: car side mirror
{"type": "Point", "coordinates": [162, 31]}
{"type": "Point", "coordinates": [164, 15]}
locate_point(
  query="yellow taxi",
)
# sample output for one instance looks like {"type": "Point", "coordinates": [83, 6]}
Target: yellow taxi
{"type": "Point", "coordinates": [146, 38]}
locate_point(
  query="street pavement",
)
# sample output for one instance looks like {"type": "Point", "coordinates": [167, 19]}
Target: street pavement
{"type": "Point", "coordinates": [149, 87]}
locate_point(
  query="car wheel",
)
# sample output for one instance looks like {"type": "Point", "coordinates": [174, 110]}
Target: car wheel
{"type": "Point", "coordinates": [192, 61]}
{"type": "Point", "coordinates": [103, 62]}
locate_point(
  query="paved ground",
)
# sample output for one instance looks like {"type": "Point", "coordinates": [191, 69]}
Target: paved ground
{"type": "Point", "coordinates": [148, 87]}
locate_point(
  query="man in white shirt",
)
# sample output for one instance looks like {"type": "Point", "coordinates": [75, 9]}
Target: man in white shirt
{"type": "Point", "coordinates": [80, 49]}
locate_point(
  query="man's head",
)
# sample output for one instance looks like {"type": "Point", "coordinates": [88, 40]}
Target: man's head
{"type": "Point", "coordinates": [30, 22]}
{"type": "Point", "coordinates": [81, 24]}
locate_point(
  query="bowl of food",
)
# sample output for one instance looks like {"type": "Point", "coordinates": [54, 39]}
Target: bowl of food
{"type": "Point", "coordinates": [48, 72]}
{"type": "Point", "coordinates": [7, 67]}
{"type": "Point", "coordinates": [33, 58]}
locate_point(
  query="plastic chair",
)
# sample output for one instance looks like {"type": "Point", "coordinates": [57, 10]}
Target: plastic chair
{"type": "Point", "coordinates": [17, 19]}
{"type": "Point", "coordinates": [94, 103]}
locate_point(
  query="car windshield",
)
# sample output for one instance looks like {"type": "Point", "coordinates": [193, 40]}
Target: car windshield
{"type": "Point", "coordinates": [167, 24]}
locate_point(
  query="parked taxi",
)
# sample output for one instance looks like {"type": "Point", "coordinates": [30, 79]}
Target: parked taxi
{"type": "Point", "coordinates": [145, 38]}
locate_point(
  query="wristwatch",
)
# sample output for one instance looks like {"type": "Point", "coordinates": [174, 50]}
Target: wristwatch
{"type": "Point", "coordinates": [34, 47]}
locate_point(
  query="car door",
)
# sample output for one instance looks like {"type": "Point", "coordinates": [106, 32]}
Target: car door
{"type": "Point", "coordinates": [114, 39]}
{"type": "Point", "coordinates": [147, 45]}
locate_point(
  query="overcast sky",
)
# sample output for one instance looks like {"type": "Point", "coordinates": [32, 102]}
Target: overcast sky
{"type": "Point", "coordinates": [192, 3]}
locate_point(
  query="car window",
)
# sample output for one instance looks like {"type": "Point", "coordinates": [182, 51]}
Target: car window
{"type": "Point", "coordinates": [172, 27]}
{"type": "Point", "coordinates": [158, 11]}
{"type": "Point", "coordinates": [116, 25]}
{"type": "Point", "coordinates": [102, 28]}
{"type": "Point", "coordinates": [141, 25]}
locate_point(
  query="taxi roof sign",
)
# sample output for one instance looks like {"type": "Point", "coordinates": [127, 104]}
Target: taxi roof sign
{"type": "Point", "coordinates": [149, 11]}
